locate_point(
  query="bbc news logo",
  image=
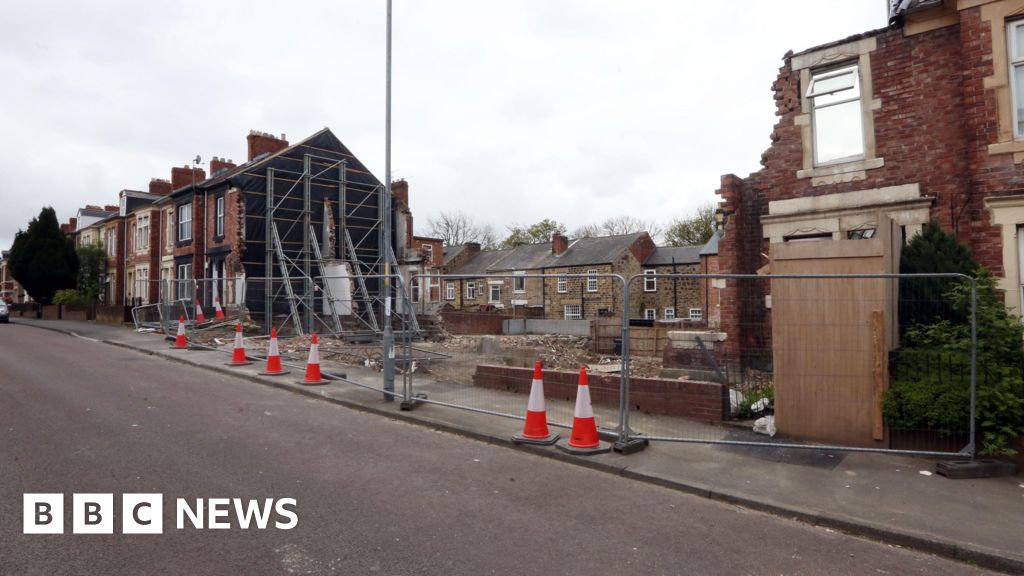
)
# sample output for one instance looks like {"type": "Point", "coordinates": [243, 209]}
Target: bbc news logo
{"type": "Point", "coordinates": [143, 513]}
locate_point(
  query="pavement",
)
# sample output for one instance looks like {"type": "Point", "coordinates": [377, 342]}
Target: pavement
{"type": "Point", "coordinates": [894, 499]}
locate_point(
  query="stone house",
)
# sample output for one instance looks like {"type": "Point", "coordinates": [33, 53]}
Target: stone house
{"type": "Point", "coordinates": [920, 120]}
{"type": "Point", "coordinates": [488, 280]}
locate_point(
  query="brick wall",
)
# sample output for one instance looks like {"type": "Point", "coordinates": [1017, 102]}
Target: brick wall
{"type": "Point", "coordinates": [679, 293]}
{"type": "Point", "coordinates": [472, 322]}
{"type": "Point", "coordinates": [705, 401]}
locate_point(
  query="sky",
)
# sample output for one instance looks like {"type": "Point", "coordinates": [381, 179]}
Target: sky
{"type": "Point", "coordinates": [511, 112]}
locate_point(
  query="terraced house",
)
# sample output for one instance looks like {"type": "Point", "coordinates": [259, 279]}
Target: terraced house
{"type": "Point", "coordinates": [581, 289]}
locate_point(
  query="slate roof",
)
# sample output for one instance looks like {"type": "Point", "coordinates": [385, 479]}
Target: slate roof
{"type": "Point", "coordinates": [711, 248]}
{"type": "Point", "coordinates": [666, 255]}
{"type": "Point", "coordinates": [581, 252]}
{"type": "Point", "coordinates": [895, 8]}
{"type": "Point", "coordinates": [452, 252]}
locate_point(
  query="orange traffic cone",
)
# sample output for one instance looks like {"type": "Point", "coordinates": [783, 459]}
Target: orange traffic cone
{"type": "Point", "coordinates": [218, 312]}
{"type": "Point", "coordinates": [179, 340]}
{"type": "Point", "coordinates": [535, 431]}
{"type": "Point", "coordinates": [238, 357]}
{"type": "Point", "coordinates": [273, 357]}
{"type": "Point", "coordinates": [584, 440]}
{"type": "Point", "coordinates": [313, 365]}
{"type": "Point", "coordinates": [200, 318]}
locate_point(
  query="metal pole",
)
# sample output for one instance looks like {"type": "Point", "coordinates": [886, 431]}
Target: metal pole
{"type": "Point", "coordinates": [974, 361]}
{"type": "Point", "coordinates": [307, 220]}
{"type": "Point", "coordinates": [389, 337]}
{"type": "Point", "coordinates": [268, 257]}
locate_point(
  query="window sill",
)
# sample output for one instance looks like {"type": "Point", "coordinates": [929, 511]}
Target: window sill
{"type": "Point", "coordinates": [1015, 147]}
{"type": "Point", "coordinates": [842, 172]}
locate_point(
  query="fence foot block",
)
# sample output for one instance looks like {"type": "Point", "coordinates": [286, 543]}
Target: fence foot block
{"type": "Point", "coordinates": [630, 445]}
{"type": "Point", "coordinates": [964, 469]}
{"type": "Point", "coordinates": [410, 404]}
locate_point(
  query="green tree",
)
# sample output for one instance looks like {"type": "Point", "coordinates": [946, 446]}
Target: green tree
{"type": "Point", "coordinates": [922, 300]}
{"type": "Point", "coordinates": [92, 264]}
{"type": "Point", "coordinates": [693, 230]}
{"type": "Point", "coordinates": [42, 259]}
{"type": "Point", "coordinates": [535, 234]}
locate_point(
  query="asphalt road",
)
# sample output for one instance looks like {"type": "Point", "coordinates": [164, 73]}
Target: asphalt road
{"type": "Point", "coordinates": [373, 495]}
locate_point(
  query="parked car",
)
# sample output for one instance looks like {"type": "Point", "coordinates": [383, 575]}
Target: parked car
{"type": "Point", "coordinates": [5, 313]}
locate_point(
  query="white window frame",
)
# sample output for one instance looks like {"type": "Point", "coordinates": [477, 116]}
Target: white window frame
{"type": "Point", "coordinates": [169, 214]}
{"type": "Point", "coordinates": [219, 220]}
{"type": "Point", "coordinates": [184, 275]}
{"type": "Point", "coordinates": [1014, 61]}
{"type": "Point", "coordinates": [852, 69]}
{"type": "Point", "coordinates": [470, 290]}
{"type": "Point", "coordinates": [650, 313]}
{"type": "Point", "coordinates": [519, 282]}
{"type": "Point", "coordinates": [185, 222]}
{"type": "Point", "coordinates": [142, 234]}
{"type": "Point", "coordinates": [696, 314]}
{"type": "Point", "coordinates": [572, 312]}
{"type": "Point", "coordinates": [669, 313]}
{"type": "Point", "coordinates": [429, 250]}
{"type": "Point", "coordinates": [449, 291]}
{"type": "Point", "coordinates": [591, 280]}
{"type": "Point", "coordinates": [491, 288]}
{"type": "Point", "coordinates": [650, 284]}
{"type": "Point", "coordinates": [562, 284]}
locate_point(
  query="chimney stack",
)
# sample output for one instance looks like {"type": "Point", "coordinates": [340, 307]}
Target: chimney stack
{"type": "Point", "coordinates": [400, 193]}
{"type": "Point", "coordinates": [262, 142]}
{"type": "Point", "coordinates": [559, 243]}
{"type": "Point", "coordinates": [219, 164]}
{"type": "Point", "coordinates": [160, 186]}
{"type": "Point", "coordinates": [182, 176]}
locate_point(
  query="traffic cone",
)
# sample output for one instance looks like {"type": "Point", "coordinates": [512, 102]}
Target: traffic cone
{"type": "Point", "coordinates": [200, 318]}
{"type": "Point", "coordinates": [273, 357]}
{"type": "Point", "coordinates": [535, 431]}
{"type": "Point", "coordinates": [313, 365]}
{"type": "Point", "coordinates": [218, 312]}
{"type": "Point", "coordinates": [238, 357]}
{"type": "Point", "coordinates": [179, 340]}
{"type": "Point", "coordinates": [584, 440]}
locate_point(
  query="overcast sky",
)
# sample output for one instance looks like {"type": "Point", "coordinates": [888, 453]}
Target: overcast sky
{"type": "Point", "coordinates": [512, 111]}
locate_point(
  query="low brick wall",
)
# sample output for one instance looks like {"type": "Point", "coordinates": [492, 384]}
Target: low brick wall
{"type": "Point", "coordinates": [706, 401]}
{"type": "Point", "coordinates": [51, 312]}
{"type": "Point", "coordinates": [69, 314]}
{"type": "Point", "coordinates": [473, 322]}
{"type": "Point", "coordinates": [112, 315]}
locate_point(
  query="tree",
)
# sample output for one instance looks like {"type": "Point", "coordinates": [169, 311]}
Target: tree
{"type": "Point", "coordinates": [535, 234]}
{"type": "Point", "coordinates": [457, 228]}
{"type": "Point", "coordinates": [617, 226]}
{"type": "Point", "coordinates": [42, 259]}
{"type": "Point", "coordinates": [922, 300]}
{"type": "Point", "coordinates": [92, 264]}
{"type": "Point", "coordinates": [693, 230]}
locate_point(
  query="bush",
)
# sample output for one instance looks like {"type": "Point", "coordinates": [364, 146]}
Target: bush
{"type": "Point", "coordinates": [924, 397]}
{"type": "Point", "coordinates": [68, 296]}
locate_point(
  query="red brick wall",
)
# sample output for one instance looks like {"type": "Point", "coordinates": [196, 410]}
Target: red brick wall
{"type": "Point", "coordinates": [704, 401]}
{"type": "Point", "coordinates": [472, 322]}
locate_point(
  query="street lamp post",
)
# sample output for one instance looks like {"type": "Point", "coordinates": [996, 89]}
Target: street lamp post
{"type": "Point", "coordinates": [389, 336]}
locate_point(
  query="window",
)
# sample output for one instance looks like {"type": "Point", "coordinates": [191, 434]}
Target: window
{"type": "Point", "coordinates": [563, 284]}
{"type": "Point", "coordinates": [470, 290]}
{"type": "Point", "coordinates": [428, 253]}
{"type": "Point", "coordinates": [670, 313]}
{"type": "Point", "coordinates": [861, 234]}
{"type": "Point", "coordinates": [650, 282]}
{"type": "Point", "coordinates": [111, 242]}
{"type": "Point", "coordinates": [519, 282]}
{"type": "Point", "coordinates": [651, 314]}
{"type": "Point", "coordinates": [696, 314]}
{"type": "Point", "coordinates": [1015, 41]}
{"type": "Point", "coordinates": [184, 222]}
{"type": "Point", "coordinates": [184, 281]}
{"type": "Point", "coordinates": [591, 280]}
{"type": "Point", "coordinates": [142, 234]}
{"type": "Point", "coordinates": [449, 291]}
{"type": "Point", "coordinates": [219, 225]}
{"type": "Point", "coordinates": [495, 293]}
{"type": "Point", "coordinates": [169, 216]}
{"type": "Point", "coordinates": [142, 285]}
{"type": "Point", "coordinates": [838, 129]}
{"type": "Point", "coordinates": [572, 312]}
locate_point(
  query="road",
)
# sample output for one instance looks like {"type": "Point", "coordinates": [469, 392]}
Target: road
{"type": "Point", "coordinates": [373, 495]}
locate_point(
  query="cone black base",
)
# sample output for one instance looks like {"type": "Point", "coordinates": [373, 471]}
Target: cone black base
{"type": "Point", "coordinates": [238, 363]}
{"type": "Point", "coordinates": [545, 441]}
{"type": "Point", "coordinates": [601, 448]}
{"type": "Point", "coordinates": [312, 383]}
{"type": "Point", "coordinates": [274, 373]}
